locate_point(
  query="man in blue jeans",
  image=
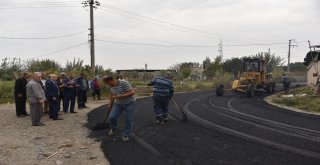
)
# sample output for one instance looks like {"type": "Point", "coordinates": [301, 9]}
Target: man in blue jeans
{"type": "Point", "coordinates": [121, 99]}
{"type": "Point", "coordinates": [163, 90]}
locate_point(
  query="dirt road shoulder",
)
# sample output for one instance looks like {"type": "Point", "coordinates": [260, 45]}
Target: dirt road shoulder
{"type": "Point", "coordinates": [58, 142]}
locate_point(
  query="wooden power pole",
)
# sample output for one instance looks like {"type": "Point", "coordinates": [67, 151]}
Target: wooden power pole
{"type": "Point", "coordinates": [92, 4]}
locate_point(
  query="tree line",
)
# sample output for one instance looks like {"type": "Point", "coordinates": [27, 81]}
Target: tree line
{"type": "Point", "coordinates": [213, 68]}
{"type": "Point", "coordinates": [11, 68]}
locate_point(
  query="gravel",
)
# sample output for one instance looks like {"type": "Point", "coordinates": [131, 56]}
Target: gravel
{"type": "Point", "coordinates": [58, 142]}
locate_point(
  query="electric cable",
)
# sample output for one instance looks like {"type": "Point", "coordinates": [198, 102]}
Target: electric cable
{"type": "Point", "coordinates": [60, 50]}
{"type": "Point", "coordinates": [42, 38]}
{"type": "Point", "coordinates": [165, 15]}
{"type": "Point", "coordinates": [177, 45]}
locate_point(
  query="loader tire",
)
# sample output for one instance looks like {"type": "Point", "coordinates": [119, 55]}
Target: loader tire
{"type": "Point", "coordinates": [220, 90]}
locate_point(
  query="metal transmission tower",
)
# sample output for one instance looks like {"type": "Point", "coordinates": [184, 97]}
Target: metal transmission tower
{"type": "Point", "coordinates": [92, 4]}
{"type": "Point", "coordinates": [220, 49]}
{"type": "Point", "coordinates": [288, 68]}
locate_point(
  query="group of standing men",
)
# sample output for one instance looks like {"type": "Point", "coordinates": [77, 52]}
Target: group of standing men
{"type": "Point", "coordinates": [43, 94]}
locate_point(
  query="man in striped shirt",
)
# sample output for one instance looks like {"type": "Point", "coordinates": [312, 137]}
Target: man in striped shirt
{"type": "Point", "coordinates": [163, 90]}
{"type": "Point", "coordinates": [121, 99]}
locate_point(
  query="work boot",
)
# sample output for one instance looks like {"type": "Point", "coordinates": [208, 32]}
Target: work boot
{"type": "Point", "coordinates": [165, 119]}
{"type": "Point", "coordinates": [125, 138]}
{"type": "Point", "coordinates": [38, 124]}
{"type": "Point", "coordinates": [112, 132]}
{"type": "Point", "coordinates": [161, 122]}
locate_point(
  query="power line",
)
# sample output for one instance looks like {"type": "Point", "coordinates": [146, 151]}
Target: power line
{"type": "Point", "coordinates": [186, 7]}
{"type": "Point", "coordinates": [42, 38]}
{"type": "Point", "coordinates": [140, 19]}
{"type": "Point", "coordinates": [190, 46]}
{"type": "Point", "coordinates": [155, 21]}
{"type": "Point", "coordinates": [60, 50]}
{"type": "Point", "coordinates": [35, 7]}
{"type": "Point", "coordinates": [165, 15]}
{"type": "Point", "coordinates": [8, 2]}
{"type": "Point", "coordinates": [32, 5]}
{"type": "Point", "coordinates": [152, 20]}
{"type": "Point", "coordinates": [138, 44]}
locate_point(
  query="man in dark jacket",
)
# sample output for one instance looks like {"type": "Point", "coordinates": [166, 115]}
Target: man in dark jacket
{"type": "Point", "coordinates": [53, 97]}
{"type": "Point", "coordinates": [20, 95]}
{"type": "Point", "coordinates": [69, 94]}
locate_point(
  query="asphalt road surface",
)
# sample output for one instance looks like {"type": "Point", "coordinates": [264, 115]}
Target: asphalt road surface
{"type": "Point", "coordinates": [232, 129]}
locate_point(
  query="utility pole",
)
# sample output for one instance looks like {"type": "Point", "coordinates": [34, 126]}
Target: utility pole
{"type": "Point", "coordinates": [220, 51]}
{"type": "Point", "coordinates": [92, 4]}
{"type": "Point", "coordinates": [309, 45]}
{"type": "Point", "coordinates": [288, 68]}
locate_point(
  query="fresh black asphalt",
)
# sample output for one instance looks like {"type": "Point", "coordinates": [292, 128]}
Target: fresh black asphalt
{"type": "Point", "coordinates": [196, 143]}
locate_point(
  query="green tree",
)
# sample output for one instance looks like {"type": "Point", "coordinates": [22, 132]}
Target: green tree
{"type": "Point", "coordinates": [47, 65]}
{"type": "Point", "coordinates": [233, 64]}
{"type": "Point", "coordinates": [213, 67]}
{"type": "Point", "coordinates": [10, 68]}
{"type": "Point", "coordinates": [185, 69]}
{"type": "Point", "coordinates": [75, 67]}
{"type": "Point", "coordinates": [206, 63]}
{"type": "Point", "coordinates": [175, 67]}
{"type": "Point", "coordinates": [181, 70]}
{"type": "Point", "coordinates": [273, 62]}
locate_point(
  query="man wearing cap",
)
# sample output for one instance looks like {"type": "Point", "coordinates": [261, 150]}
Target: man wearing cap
{"type": "Point", "coordinates": [163, 90]}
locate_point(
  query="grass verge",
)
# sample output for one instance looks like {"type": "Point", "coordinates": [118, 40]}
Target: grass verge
{"type": "Point", "coordinates": [302, 99]}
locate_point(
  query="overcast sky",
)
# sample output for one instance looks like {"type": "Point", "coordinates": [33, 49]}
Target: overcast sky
{"type": "Point", "coordinates": [159, 33]}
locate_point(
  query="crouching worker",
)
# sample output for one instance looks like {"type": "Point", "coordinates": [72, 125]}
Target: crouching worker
{"type": "Point", "coordinates": [163, 90]}
{"type": "Point", "coordinates": [121, 99]}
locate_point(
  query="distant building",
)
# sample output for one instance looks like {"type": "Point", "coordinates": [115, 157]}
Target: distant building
{"type": "Point", "coordinates": [313, 65]}
{"type": "Point", "coordinates": [196, 72]}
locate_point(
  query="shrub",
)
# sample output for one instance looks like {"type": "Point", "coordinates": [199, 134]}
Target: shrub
{"type": "Point", "coordinates": [6, 91]}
